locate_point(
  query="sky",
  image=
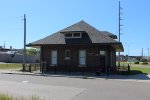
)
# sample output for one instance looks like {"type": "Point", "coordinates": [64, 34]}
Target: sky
{"type": "Point", "coordinates": [45, 17]}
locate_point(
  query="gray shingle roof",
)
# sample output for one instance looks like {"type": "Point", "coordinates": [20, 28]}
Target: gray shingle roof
{"type": "Point", "coordinates": [109, 34]}
{"type": "Point", "coordinates": [95, 36]}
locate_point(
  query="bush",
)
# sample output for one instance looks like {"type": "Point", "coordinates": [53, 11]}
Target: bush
{"type": "Point", "coordinates": [136, 62]}
{"type": "Point", "coordinates": [144, 63]}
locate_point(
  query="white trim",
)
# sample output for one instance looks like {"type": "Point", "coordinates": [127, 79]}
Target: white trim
{"type": "Point", "coordinates": [82, 58]}
{"type": "Point", "coordinates": [72, 35]}
{"type": "Point", "coordinates": [68, 33]}
{"type": "Point", "coordinates": [67, 58]}
{"type": "Point", "coordinates": [53, 57]}
{"type": "Point", "coordinates": [102, 52]}
{"type": "Point", "coordinates": [77, 36]}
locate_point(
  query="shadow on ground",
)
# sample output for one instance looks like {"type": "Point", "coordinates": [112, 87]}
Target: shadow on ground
{"type": "Point", "coordinates": [133, 75]}
{"type": "Point", "coordinates": [137, 76]}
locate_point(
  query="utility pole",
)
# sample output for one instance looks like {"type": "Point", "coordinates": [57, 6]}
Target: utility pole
{"type": "Point", "coordinates": [119, 31]}
{"type": "Point", "coordinates": [24, 54]}
{"type": "Point", "coordinates": [4, 44]}
{"type": "Point", "coordinates": [148, 52]}
{"type": "Point", "coordinates": [119, 20]}
{"type": "Point", "coordinates": [142, 53]}
{"type": "Point", "coordinates": [148, 55]}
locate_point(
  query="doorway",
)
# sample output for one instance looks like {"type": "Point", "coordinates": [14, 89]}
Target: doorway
{"type": "Point", "coordinates": [103, 60]}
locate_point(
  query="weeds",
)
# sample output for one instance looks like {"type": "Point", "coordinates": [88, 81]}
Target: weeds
{"type": "Point", "coordinates": [8, 97]}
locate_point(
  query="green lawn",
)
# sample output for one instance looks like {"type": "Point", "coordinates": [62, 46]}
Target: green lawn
{"type": "Point", "coordinates": [10, 66]}
{"type": "Point", "coordinates": [137, 70]}
{"type": "Point", "coordinates": [140, 64]}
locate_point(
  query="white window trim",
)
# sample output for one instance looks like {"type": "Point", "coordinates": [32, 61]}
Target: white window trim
{"type": "Point", "coordinates": [56, 57]}
{"type": "Point", "coordinates": [102, 52]}
{"type": "Point", "coordinates": [67, 58]}
{"type": "Point", "coordinates": [72, 35]}
{"type": "Point", "coordinates": [82, 65]}
{"type": "Point", "coordinates": [77, 36]}
{"type": "Point", "coordinates": [68, 37]}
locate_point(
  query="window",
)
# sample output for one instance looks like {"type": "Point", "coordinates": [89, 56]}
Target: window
{"type": "Point", "coordinates": [77, 35]}
{"type": "Point", "coordinates": [53, 57]}
{"type": "Point", "coordinates": [67, 54]}
{"type": "Point", "coordinates": [68, 35]}
{"type": "Point", "coordinates": [102, 52]}
{"type": "Point", "coordinates": [73, 35]}
{"type": "Point", "coordinates": [82, 57]}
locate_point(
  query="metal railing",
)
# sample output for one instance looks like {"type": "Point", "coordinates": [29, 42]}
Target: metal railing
{"type": "Point", "coordinates": [124, 67]}
{"type": "Point", "coordinates": [30, 67]}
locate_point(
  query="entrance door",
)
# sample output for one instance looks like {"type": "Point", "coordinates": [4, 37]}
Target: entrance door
{"type": "Point", "coordinates": [53, 57]}
{"type": "Point", "coordinates": [103, 60]}
{"type": "Point", "coordinates": [103, 63]}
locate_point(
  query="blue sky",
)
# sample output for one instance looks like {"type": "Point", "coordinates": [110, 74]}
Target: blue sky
{"type": "Point", "coordinates": [48, 16]}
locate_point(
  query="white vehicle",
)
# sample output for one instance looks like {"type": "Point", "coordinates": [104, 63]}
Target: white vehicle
{"type": "Point", "coordinates": [11, 52]}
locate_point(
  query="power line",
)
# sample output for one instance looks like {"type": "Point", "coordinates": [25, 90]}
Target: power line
{"type": "Point", "coordinates": [148, 52]}
{"type": "Point", "coordinates": [6, 21]}
{"type": "Point", "coordinates": [10, 18]}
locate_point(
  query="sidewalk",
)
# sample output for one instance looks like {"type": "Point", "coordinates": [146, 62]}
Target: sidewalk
{"type": "Point", "coordinates": [14, 71]}
{"type": "Point", "coordinates": [137, 77]}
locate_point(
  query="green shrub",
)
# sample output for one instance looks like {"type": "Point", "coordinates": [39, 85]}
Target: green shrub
{"type": "Point", "coordinates": [144, 61]}
{"type": "Point", "coordinates": [136, 62]}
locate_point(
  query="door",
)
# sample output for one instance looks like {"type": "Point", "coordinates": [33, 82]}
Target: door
{"type": "Point", "coordinates": [53, 57]}
{"type": "Point", "coordinates": [82, 57]}
{"type": "Point", "coordinates": [103, 60]}
{"type": "Point", "coordinates": [103, 63]}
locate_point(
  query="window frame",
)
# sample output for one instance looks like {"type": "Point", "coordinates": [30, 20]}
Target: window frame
{"type": "Point", "coordinates": [77, 36]}
{"type": "Point", "coordinates": [68, 36]}
{"type": "Point", "coordinates": [73, 36]}
{"type": "Point", "coordinates": [66, 56]}
{"type": "Point", "coordinates": [80, 58]}
{"type": "Point", "coordinates": [102, 52]}
{"type": "Point", "coordinates": [53, 58]}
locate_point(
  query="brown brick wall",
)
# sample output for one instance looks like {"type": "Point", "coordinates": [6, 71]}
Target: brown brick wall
{"type": "Point", "coordinates": [92, 57]}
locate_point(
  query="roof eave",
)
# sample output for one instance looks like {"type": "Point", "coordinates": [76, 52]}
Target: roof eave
{"type": "Point", "coordinates": [71, 32]}
{"type": "Point", "coordinates": [118, 47]}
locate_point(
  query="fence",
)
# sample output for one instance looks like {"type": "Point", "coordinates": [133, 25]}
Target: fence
{"type": "Point", "coordinates": [30, 67]}
{"type": "Point", "coordinates": [18, 58]}
{"type": "Point", "coordinates": [124, 68]}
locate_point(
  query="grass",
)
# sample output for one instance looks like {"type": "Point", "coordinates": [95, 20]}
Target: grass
{"type": "Point", "coordinates": [5, 97]}
{"type": "Point", "coordinates": [19, 66]}
{"type": "Point", "coordinates": [10, 66]}
{"type": "Point", "coordinates": [141, 64]}
{"type": "Point", "coordinates": [8, 97]}
{"type": "Point", "coordinates": [139, 70]}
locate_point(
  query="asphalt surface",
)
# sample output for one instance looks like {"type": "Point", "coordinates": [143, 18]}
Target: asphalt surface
{"type": "Point", "coordinates": [74, 88]}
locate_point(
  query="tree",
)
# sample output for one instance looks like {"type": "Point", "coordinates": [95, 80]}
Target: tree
{"type": "Point", "coordinates": [32, 51]}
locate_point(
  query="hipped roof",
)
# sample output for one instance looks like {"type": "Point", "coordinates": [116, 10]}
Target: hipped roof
{"type": "Point", "coordinates": [95, 36]}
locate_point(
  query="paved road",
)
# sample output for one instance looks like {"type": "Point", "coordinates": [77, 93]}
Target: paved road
{"type": "Point", "coordinates": [67, 88]}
